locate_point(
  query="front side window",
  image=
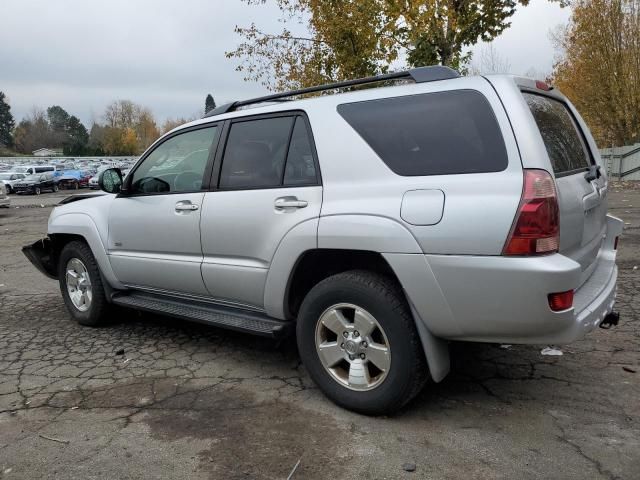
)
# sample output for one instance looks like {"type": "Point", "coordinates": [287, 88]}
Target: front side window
{"type": "Point", "coordinates": [559, 131]}
{"type": "Point", "coordinates": [176, 165]}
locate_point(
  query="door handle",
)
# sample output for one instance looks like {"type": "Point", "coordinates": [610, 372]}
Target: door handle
{"type": "Point", "coordinates": [289, 202]}
{"type": "Point", "coordinates": [186, 206]}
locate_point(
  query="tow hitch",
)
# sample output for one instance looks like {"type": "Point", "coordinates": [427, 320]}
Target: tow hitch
{"type": "Point", "coordinates": [610, 320]}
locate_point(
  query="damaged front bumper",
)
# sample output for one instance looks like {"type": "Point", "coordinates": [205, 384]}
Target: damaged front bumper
{"type": "Point", "coordinates": [41, 254]}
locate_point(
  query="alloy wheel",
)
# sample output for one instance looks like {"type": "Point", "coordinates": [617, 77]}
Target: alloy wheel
{"type": "Point", "coordinates": [78, 284]}
{"type": "Point", "coordinates": [352, 347]}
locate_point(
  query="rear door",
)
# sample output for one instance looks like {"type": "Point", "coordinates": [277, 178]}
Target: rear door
{"type": "Point", "coordinates": [582, 190]}
{"type": "Point", "coordinates": [267, 182]}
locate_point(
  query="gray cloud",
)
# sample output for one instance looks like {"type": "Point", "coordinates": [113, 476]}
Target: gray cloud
{"type": "Point", "coordinates": [165, 54]}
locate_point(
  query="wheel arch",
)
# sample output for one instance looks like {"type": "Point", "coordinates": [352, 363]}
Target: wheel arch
{"type": "Point", "coordinates": [78, 226]}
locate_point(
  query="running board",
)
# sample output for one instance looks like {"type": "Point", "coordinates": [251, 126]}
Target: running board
{"type": "Point", "coordinates": [202, 312]}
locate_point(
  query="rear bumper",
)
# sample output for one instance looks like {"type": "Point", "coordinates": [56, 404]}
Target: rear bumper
{"type": "Point", "coordinates": [504, 299]}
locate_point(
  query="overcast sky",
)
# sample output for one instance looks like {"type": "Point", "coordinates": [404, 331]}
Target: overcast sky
{"type": "Point", "coordinates": [168, 55]}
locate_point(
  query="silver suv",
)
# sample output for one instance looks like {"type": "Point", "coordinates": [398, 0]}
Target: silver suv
{"type": "Point", "coordinates": [379, 223]}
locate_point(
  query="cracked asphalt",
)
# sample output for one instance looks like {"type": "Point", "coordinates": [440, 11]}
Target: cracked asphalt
{"type": "Point", "coordinates": [190, 401]}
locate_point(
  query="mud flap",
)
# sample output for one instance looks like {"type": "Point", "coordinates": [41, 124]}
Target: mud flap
{"type": "Point", "coordinates": [436, 350]}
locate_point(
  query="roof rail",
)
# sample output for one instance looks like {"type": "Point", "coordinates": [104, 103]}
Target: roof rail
{"type": "Point", "coordinates": [418, 75]}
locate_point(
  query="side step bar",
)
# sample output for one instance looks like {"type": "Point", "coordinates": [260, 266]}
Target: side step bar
{"type": "Point", "coordinates": [203, 312]}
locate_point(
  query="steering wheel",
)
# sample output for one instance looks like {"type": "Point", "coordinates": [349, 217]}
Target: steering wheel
{"type": "Point", "coordinates": [186, 181]}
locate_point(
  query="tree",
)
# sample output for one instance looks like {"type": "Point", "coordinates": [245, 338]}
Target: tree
{"type": "Point", "coordinates": [599, 69]}
{"type": "Point", "coordinates": [96, 139]}
{"type": "Point", "coordinates": [209, 104]}
{"type": "Point", "coordinates": [356, 38]}
{"type": "Point", "coordinates": [6, 123]}
{"type": "Point", "coordinates": [126, 121]}
{"type": "Point", "coordinates": [33, 132]}
{"type": "Point", "coordinates": [489, 61]}
{"type": "Point", "coordinates": [77, 137]}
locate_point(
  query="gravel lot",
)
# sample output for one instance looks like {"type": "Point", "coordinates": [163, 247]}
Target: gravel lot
{"type": "Point", "coordinates": [189, 401]}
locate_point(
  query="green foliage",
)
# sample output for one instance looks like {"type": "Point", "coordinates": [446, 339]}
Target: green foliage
{"type": "Point", "coordinates": [77, 137]}
{"type": "Point", "coordinates": [356, 38]}
{"type": "Point", "coordinates": [6, 123]}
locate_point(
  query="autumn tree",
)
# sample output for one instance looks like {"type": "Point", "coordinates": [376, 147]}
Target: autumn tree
{"type": "Point", "coordinates": [209, 104]}
{"type": "Point", "coordinates": [33, 132]}
{"type": "Point", "coordinates": [600, 67]}
{"type": "Point", "coordinates": [6, 123]}
{"type": "Point", "coordinates": [129, 128]}
{"type": "Point", "coordinates": [355, 38]}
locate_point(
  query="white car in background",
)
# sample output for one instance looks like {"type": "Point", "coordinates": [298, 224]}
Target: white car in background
{"type": "Point", "coordinates": [8, 179]}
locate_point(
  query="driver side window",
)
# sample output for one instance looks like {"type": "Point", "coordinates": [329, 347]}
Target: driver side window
{"type": "Point", "coordinates": [176, 165]}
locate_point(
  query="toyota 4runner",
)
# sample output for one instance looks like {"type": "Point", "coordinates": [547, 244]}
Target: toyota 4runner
{"type": "Point", "coordinates": [378, 223]}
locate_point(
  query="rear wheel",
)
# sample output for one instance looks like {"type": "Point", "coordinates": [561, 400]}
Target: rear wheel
{"type": "Point", "coordinates": [358, 340]}
{"type": "Point", "coordinates": [81, 285]}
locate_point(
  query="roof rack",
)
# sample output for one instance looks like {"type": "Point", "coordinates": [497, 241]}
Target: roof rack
{"type": "Point", "coordinates": [418, 75]}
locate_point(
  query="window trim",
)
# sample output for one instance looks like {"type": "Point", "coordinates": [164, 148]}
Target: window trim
{"type": "Point", "coordinates": [222, 147]}
{"type": "Point", "coordinates": [207, 170]}
{"type": "Point", "coordinates": [574, 120]}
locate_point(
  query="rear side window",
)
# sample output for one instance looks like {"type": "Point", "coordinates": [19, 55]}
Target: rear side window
{"type": "Point", "coordinates": [565, 147]}
{"type": "Point", "coordinates": [268, 152]}
{"type": "Point", "coordinates": [431, 134]}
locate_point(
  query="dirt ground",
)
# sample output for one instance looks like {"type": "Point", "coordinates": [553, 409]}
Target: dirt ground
{"type": "Point", "coordinates": [190, 401]}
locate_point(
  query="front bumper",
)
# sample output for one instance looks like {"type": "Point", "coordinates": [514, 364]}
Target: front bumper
{"type": "Point", "coordinates": [26, 189]}
{"type": "Point", "coordinates": [41, 255]}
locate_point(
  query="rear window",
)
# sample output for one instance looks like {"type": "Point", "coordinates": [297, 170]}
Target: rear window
{"type": "Point", "coordinates": [565, 146]}
{"type": "Point", "coordinates": [431, 134]}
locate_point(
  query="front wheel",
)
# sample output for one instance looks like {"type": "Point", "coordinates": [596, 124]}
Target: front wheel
{"type": "Point", "coordinates": [37, 190]}
{"type": "Point", "coordinates": [55, 188]}
{"type": "Point", "coordinates": [358, 340]}
{"type": "Point", "coordinates": [81, 285]}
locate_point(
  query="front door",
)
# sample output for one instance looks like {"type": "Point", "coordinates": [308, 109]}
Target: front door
{"type": "Point", "coordinates": [268, 184]}
{"type": "Point", "coordinates": [154, 227]}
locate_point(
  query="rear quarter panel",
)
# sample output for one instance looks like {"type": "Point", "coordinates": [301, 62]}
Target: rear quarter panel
{"type": "Point", "coordinates": [478, 208]}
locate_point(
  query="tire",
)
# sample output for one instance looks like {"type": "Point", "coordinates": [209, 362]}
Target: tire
{"type": "Point", "coordinates": [36, 190]}
{"type": "Point", "coordinates": [377, 297]}
{"type": "Point", "coordinates": [9, 190]}
{"type": "Point", "coordinates": [55, 188]}
{"type": "Point", "coordinates": [98, 309]}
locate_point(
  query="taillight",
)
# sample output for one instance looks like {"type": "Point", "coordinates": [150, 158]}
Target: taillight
{"type": "Point", "coordinates": [561, 301]}
{"type": "Point", "coordinates": [536, 228]}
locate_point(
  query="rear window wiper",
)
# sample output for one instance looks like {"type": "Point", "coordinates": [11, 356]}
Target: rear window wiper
{"type": "Point", "coordinates": [593, 173]}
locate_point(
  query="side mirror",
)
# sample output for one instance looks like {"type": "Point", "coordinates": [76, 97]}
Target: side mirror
{"type": "Point", "coordinates": [110, 180]}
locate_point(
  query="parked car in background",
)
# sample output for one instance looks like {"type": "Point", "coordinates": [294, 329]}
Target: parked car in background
{"type": "Point", "coordinates": [11, 178]}
{"type": "Point", "coordinates": [33, 169]}
{"type": "Point", "coordinates": [36, 184]}
{"type": "Point", "coordinates": [5, 201]}
{"type": "Point", "coordinates": [73, 179]}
